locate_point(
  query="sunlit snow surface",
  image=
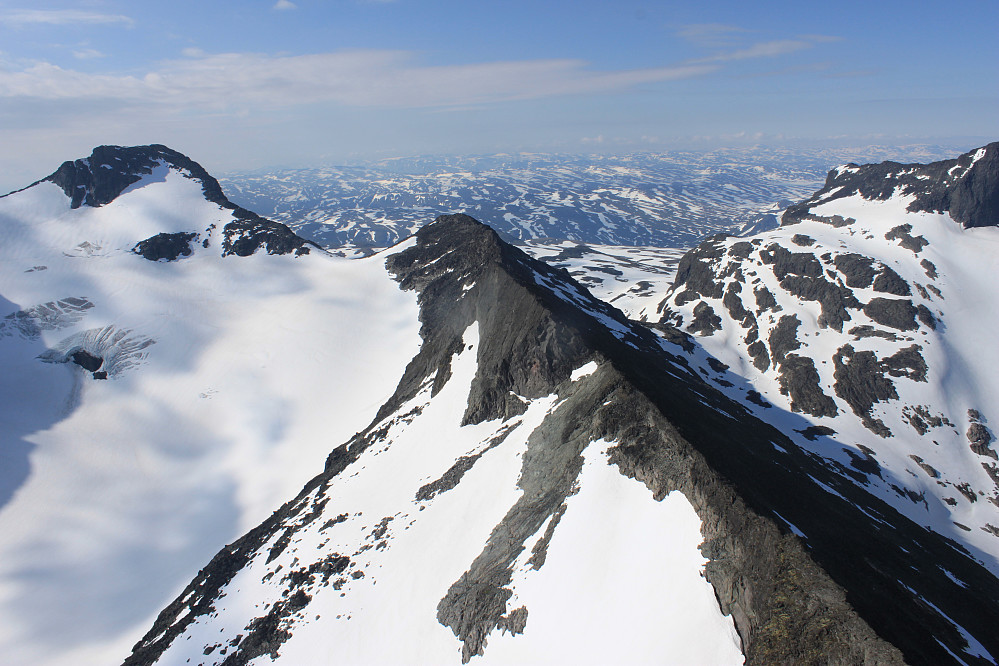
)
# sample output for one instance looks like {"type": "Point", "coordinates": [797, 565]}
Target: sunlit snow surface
{"type": "Point", "coordinates": [229, 382]}
{"type": "Point", "coordinates": [249, 370]}
{"type": "Point", "coordinates": [622, 582]}
{"type": "Point", "coordinates": [632, 279]}
{"type": "Point", "coordinates": [961, 500]}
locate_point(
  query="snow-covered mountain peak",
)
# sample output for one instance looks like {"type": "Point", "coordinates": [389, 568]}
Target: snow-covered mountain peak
{"type": "Point", "coordinates": [967, 187]}
{"type": "Point", "coordinates": [492, 466]}
{"type": "Point", "coordinates": [450, 523]}
{"type": "Point", "coordinates": [868, 317]}
{"type": "Point", "coordinates": [161, 397]}
{"type": "Point", "coordinates": [110, 170]}
{"type": "Point", "coordinates": [150, 180]}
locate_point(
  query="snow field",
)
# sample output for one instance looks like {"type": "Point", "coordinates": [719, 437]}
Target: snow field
{"type": "Point", "coordinates": [260, 366]}
{"type": "Point", "coordinates": [625, 546]}
{"type": "Point", "coordinates": [959, 354]}
{"type": "Point", "coordinates": [390, 615]}
{"type": "Point", "coordinates": [622, 583]}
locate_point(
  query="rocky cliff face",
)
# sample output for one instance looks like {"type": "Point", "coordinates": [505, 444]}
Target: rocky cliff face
{"type": "Point", "coordinates": [111, 170]}
{"type": "Point", "coordinates": [856, 327]}
{"type": "Point", "coordinates": [810, 565]}
{"type": "Point", "coordinates": [966, 187]}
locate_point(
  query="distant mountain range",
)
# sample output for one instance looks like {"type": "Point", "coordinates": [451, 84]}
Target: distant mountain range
{"type": "Point", "coordinates": [647, 199]}
{"type": "Point", "coordinates": [225, 445]}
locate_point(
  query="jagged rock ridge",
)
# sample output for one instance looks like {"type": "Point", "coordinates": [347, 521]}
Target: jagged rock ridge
{"type": "Point", "coordinates": [852, 319]}
{"type": "Point", "coordinates": [966, 187]}
{"type": "Point", "coordinates": [752, 487]}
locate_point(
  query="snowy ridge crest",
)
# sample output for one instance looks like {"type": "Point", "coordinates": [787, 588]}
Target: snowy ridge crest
{"type": "Point", "coordinates": [848, 328]}
{"type": "Point", "coordinates": [966, 187]}
{"type": "Point", "coordinates": [503, 402]}
{"type": "Point", "coordinates": [110, 170]}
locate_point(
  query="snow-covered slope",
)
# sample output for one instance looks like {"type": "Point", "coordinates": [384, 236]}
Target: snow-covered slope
{"type": "Point", "coordinates": [226, 387]}
{"type": "Point", "coordinates": [865, 325]}
{"type": "Point", "coordinates": [485, 462]}
{"type": "Point", "coordinates": [455, 526]}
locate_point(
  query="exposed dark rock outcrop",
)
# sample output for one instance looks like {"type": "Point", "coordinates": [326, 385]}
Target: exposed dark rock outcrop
{"type": "Point", "coordinates": [765, 300]}
{"type": "Point", "coordinates": [800, 381]}
{"type": "Point", "coordinates": [898, 313]}
{"type": "Point", "coordinates": [87, 361]}
{"type": "Point", "coordinates": [980, 437]}
{"type": "Point", "coordinates": [858, 269]}
{"type": "Point", "coordinates": [784, 337]}
{"type": "Point", "coordinates": [834, 298]}
{"type": "Point", "coordinates": [249, 233]}
{"type": "Point", "coordinates": [166, 246]}
{"type": "Point", "coordinates": [111, 170]}
{"type": "Point", "coordinates": [694, 273]}
{"type": "Point", "coordinates": [890, 282]}
{"type": "Point", "coordinates": [838, 600]}
{"type": "Point", "coordinates": [705, 321]}
{"type": "Point", "coordinates": [966, 187]}
{"type": "Point", "coordinates": [861, 382]}
{"type": "Point", "coordinates": [785, 262]}
{"type": "Point", "coordinates": [906, 239]}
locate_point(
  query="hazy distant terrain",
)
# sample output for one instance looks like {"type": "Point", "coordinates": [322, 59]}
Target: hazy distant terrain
{"type": "Point", "coordinates": [647, 199]}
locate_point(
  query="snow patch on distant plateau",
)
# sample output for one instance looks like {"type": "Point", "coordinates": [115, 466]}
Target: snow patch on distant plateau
{"type": "Point", "coordinates": [117, 490]}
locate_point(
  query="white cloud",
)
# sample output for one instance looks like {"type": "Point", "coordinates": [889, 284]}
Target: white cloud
{"type": "Point", "coordinates": [724, 36]}
{"type": "Point", "coordinates": [87, 54]}
{"type": "Point", "coordinates": [193, 52]}
{"type": "Point", "coordinates": [714, 35]}
{"type": "Point", "coordinates": [23, 17]}
{"type": "Point", "coordinates": [760, 50]}
{"type": "Point", "coordinates": [372, 78]}
{"type": "Point", "coordinates": [285, 4]}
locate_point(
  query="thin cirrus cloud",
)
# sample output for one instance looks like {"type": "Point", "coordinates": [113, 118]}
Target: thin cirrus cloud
{"type": "Point", "coordinates": [769, 49]}
{"type": "Point", "coordinates": [712, 35]}
{"type": "Point", "coordinates": [360, 78]}
{"type": "Point", "coordinates": [760, 50]}
{"type": "Point", "coordinates": [25, 17]}
{"type": "Point", "coordinates": [87, 54]}
{"type": "Point", "coordinates": [374, 78]}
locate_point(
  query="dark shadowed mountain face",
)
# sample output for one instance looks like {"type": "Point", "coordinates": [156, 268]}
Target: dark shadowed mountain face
{"type": "Point", "coordinates": [859, 328]}
{"type": "Point", "coordinates": [809, 564]}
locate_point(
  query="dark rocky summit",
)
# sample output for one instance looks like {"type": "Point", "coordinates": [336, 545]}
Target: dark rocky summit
{"type": "Point", "coordinates": [111, 170]}
{"type": "Point", "coordinates": [865, 585]}
{"type": "Point", "coordinates": [966, 187]}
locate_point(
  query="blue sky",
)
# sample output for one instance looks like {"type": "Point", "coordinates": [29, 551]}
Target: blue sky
{"type": "Point", "coordinates": [279, 82]}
